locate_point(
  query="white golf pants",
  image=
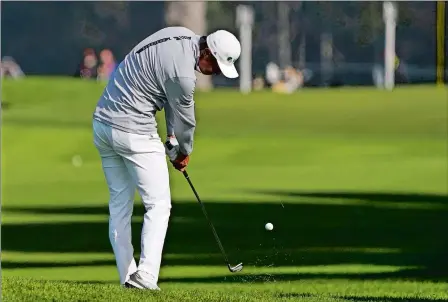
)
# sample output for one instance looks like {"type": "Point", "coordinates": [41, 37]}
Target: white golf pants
{"type": "Point", "coordinates": [132, 161]}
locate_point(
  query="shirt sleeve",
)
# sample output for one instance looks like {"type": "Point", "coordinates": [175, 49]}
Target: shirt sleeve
{"type": "Point", "coordinates": [179, 93]}
{"type": "Point", "coordinates": [169, 118]}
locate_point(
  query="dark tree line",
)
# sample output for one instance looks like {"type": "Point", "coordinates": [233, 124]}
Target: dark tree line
{"type": "Point", "coordinates": [49, 37]}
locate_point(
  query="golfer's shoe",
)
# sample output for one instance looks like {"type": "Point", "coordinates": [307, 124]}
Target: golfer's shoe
{"type": "Point", "coordinates": [136, 281]}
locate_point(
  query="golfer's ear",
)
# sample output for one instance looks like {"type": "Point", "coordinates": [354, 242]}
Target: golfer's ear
{"type": "Point", "coordinates": [208, 52]}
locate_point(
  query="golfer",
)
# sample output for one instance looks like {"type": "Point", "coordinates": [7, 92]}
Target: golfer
{"type": "Point", "coordinates": [159, 73]}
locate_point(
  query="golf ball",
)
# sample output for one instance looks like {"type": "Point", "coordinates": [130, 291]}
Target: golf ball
{"type": "Point", "coordinates": [268, 226]}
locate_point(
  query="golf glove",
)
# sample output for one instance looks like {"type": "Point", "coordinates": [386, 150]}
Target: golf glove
{"type": "Point", "coordinates": [172, 148]}
{"type": "Point", "coordinates": [179, 160]}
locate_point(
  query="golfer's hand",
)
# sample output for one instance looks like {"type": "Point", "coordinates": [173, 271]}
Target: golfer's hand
{"type": "Point", "coordinates": [172, 148]}
{"type": "Point", "coordinates": [181, 162]}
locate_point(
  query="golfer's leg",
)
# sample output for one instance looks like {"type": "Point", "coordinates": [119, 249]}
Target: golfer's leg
{"type": "Point", "coordinates": [150, 171]}
{"type": "Point", "coordinates": [122, 191]}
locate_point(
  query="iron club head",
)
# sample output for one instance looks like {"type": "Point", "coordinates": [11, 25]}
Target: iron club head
{"type": "Point", "coordinates": [236, 268]}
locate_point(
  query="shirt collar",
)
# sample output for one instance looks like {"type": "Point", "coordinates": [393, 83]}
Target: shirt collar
{"type": "Point", "coordinates": [196, 52]}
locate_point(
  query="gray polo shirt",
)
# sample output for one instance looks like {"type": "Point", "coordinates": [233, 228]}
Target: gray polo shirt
{"type": "Point", "coordinates": [159, 73]}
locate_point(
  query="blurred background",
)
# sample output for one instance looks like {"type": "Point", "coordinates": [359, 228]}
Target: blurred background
{"type": "Point", "coordinates": [317, 43]}
{"type": "Point", "coordinates": [335, 132]}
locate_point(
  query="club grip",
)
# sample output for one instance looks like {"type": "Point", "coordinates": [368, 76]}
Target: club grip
{"type": "Point", "coordinates": [169, 145]}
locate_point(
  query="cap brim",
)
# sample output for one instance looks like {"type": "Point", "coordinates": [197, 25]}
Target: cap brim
{"type": "Point", "coordinates": [229, 71]}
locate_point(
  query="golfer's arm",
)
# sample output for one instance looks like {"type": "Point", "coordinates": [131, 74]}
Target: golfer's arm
{"type": "Point", "coordinates": [169, 118]}
{"type": "Point", "coordinates": [180, 97]}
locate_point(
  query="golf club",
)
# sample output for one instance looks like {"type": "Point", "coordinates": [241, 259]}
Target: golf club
{"type": "Point", "coordinates": [233, 269]}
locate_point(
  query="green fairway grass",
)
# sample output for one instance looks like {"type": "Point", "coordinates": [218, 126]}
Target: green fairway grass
{"type": "Point", "coordinates": [354, 181]}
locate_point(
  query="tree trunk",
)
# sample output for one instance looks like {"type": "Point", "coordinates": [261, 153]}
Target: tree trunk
{"type": "Point", "coordinates": [192, 15]}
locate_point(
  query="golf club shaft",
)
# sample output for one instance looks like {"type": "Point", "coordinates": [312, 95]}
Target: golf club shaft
{"type": "Point", "coordinates": [206, 216]}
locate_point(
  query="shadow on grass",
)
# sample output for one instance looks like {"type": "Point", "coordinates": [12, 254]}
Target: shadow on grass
{"type": "Point", "coordinates": [430, 199]}
{"type": "Point", "coordinates": [358, 299]}
{"type": "Point", "coordinates": [387, 299]}
{"type": "Point", "coordinates": [304, 234]}
{"type": "Point", "coordinates": [409, 274]}
{"type": "Point", "coordinates": [35, 264]}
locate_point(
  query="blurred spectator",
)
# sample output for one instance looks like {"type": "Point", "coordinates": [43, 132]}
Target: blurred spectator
{"type": "Point", "coordinates": [272, 73]}
{"type": "Point", "coordinates": [258, 83]}
{"type": "Point", "coordinates": [293, 79]}
{"type": "Point", "coordinates": [107, 65]}
{"type": "Point", "coordinates": [88, 67]}
{"type": "Point", "coordinates": [10, 68]}
{"type": "Point", "coordinates": [287, 80]}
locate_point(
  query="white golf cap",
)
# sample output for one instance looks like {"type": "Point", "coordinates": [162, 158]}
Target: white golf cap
{"type": "Point", "coordinates": [226, 48]}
